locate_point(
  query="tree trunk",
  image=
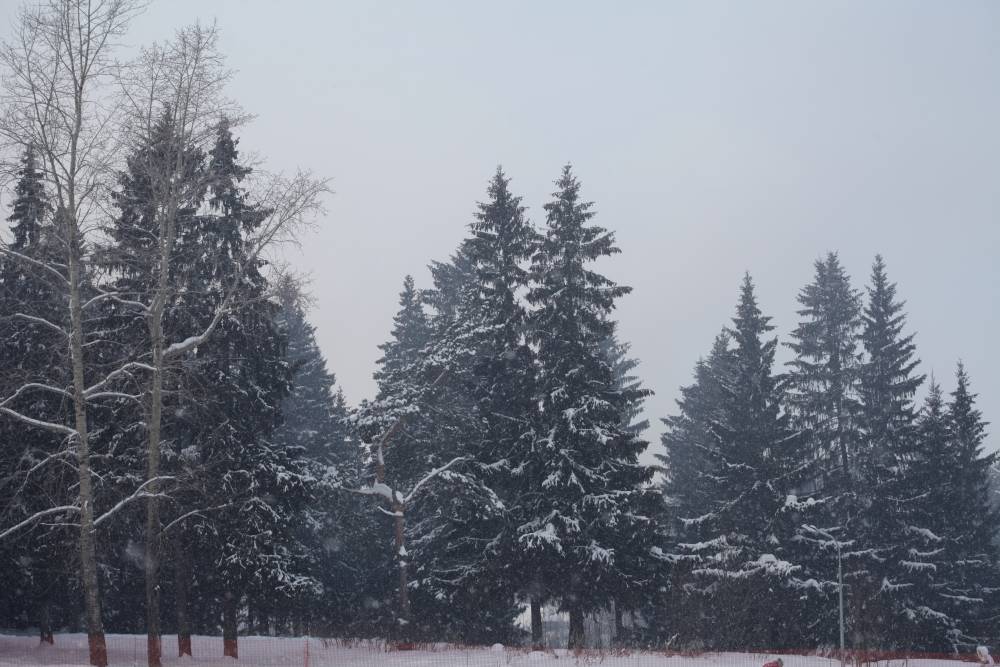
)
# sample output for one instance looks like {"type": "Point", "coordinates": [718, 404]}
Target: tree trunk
{"type": "Point", "coordinates": [619, 626]}
{"type": "Point", "coordinates": [263, 622]}
{"type": "Point", "coordinates": [404, 593]}
{"type": "Point", "coordinates": [88, 549]}
{"type": "Point", "coordinates": [230, 646]}
{"type": "Point", "coordinates": [152, 555]}
{"type": "Point", "coordinates": [182, 584]}
{"type": "Point", "coordinates": [537, 636]}
{"type": "Point", "coordinates": [44, 622]}
{"type": "Point", "coordinates": [576, 635]}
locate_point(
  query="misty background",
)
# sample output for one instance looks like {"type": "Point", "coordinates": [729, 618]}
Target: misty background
{"type": "Point", "coordinates": [714, 137]}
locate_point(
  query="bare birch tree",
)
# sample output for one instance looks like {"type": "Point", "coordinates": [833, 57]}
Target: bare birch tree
{"type": "Point", "coordinates": [56, 69]}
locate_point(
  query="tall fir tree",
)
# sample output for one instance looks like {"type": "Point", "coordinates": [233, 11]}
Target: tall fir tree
{"type": "Point", "coordinates": [314, 422]}
{"type": "Point", "coordinates": [823, 380]}
{"type": "Point", "coordinates": [38, 585]}
{"type": "Point", "coordinates": [689, 460]}
{"type": "Point", "coordinates": [584, 514]}
{"type": "Point", "coordinates": [931, 474]}
{"type": "Point", "coordinates": [887, 427]}
{"type": "Point", "coordinates": [972, 591]}
{"type": "Point", "coordinates": [749, 529]}
{"type": "Point", "coordinates": [823, 398]}
{"type": "Point", "coordinates": [257, 552]}
{"type": "Point", "coordinates": [480, 344]}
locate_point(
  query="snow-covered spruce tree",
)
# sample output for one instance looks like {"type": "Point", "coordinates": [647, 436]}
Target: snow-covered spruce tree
{"type": "Point", "coordinates": [931, 474]}
{"type": "Point", "coordinates": [823, 399]}
{"type": "Point", "coordinates": [403, 447]}
{"type": "Point", "coordinates": [33, 472]}
{"type": "Point", "coordinates": [970, 523]}
{"type": "Point", "coordinates": [689, 441]}
{"type": "Point", "coordinates": [637, 599]}
{"type": "Point", "coordinates": [259, 485]}
{"type": "Point", "coordinates": [887, 427]}
{"type": "Point", "coordinates": [313, 421]}
{"type": "Point", "coordinates": [462, 541]}
{"type": "Point", "coordinates": [951, 560]}
{"type": "Point", "coordinates": [584, 515]}
{"type": "Point", "coordinates": [750, 526]}
{"type": "Point", "coordinates": [688, 460]}
{"type": "Point", "coordinates": [823, 376]}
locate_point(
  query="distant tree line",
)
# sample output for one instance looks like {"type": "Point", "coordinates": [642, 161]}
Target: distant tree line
{"type": "Point", "coordinates": [173, 443]}
{"type": "Point", "coordinates": [772, 477]}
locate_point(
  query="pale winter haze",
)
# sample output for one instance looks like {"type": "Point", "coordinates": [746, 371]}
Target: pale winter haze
{"type": "Point", "coordinates": [715, 138]}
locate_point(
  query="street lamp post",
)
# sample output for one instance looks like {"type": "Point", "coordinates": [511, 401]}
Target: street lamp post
{"type": "Point", "coordinates": [840, 583]}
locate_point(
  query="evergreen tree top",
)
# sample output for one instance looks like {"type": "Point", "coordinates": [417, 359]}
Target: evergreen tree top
{"type": "Point", "coordinates": [226, 173]}
{"type": "Point", "coordinates": [569, 243]}
{"type": "Point", "coordinates": [965, 418]}
{"type": "Point", "coordinates": [502, 239]}
{"type": "Point", "coordinates": [410, 334]}
{"type": "Point", "coordinates": [888, 380]}
{"type": "Point", "coordinates": [30, 203]}
{"type": "Point", "coordinates": [750, 324]}
{"type": "Point", "coordinates": [831, 312]}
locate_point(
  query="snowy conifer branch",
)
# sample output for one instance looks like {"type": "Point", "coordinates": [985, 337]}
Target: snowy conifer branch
{"type": "Point", "coordinates": [93, 389]}
{"type": "Point", "coordinates": [44, 322]}
{"type": "Point", "coordinates": [139, 493]}
{"type": "Point", "coordinates": [39, 423]}
{"type": "Point", "coordinates": [431, 475]}
{"type": "Point", "coordinates": [198, 512]}
{"type": "Point", "coordinates": [115, 296]}
{"type": "Point", "coordinates": [37, 516]}
{"type": "Point", "coordinates": [44, 266]}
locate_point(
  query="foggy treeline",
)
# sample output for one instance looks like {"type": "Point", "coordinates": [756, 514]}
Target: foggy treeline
{"type": "Point", "coordinates": [176, 456]}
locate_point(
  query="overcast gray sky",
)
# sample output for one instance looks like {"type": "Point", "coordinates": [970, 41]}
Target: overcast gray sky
{"type": "Point", "coordinates": [715, 138]}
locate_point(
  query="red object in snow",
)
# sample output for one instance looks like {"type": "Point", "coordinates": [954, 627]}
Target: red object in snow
{"type": "Point", "coordinates": [775, 663]}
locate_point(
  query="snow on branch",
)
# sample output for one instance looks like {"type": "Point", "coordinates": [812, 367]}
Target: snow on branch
{"type": "Point", "coordinates": [39, 423]}
{"type": "Point", "coordinates": [44, 322]}
{"type": "Point", "coordinates": [431, 475]}
{"type": "Point", "coordinates": [34, 262]}
{"type": "Point", "coordinates": [29, 386]}
{"type": "Point", "coordinates": [137, 494]}
{"type": "Point", "coordinates": [198, 512]}
{"type": "Point", "coordinates": [380, 489]}
{"type": "Point", "coordinates": [92, 390]}
{"type": "Point", "coordinates": [115, 296]}
{"type": "Point", "coordinates": [36, 516]}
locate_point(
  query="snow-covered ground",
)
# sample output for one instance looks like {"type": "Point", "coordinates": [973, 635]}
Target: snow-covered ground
{"type": "Point", "coordinates": [129, 650]}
